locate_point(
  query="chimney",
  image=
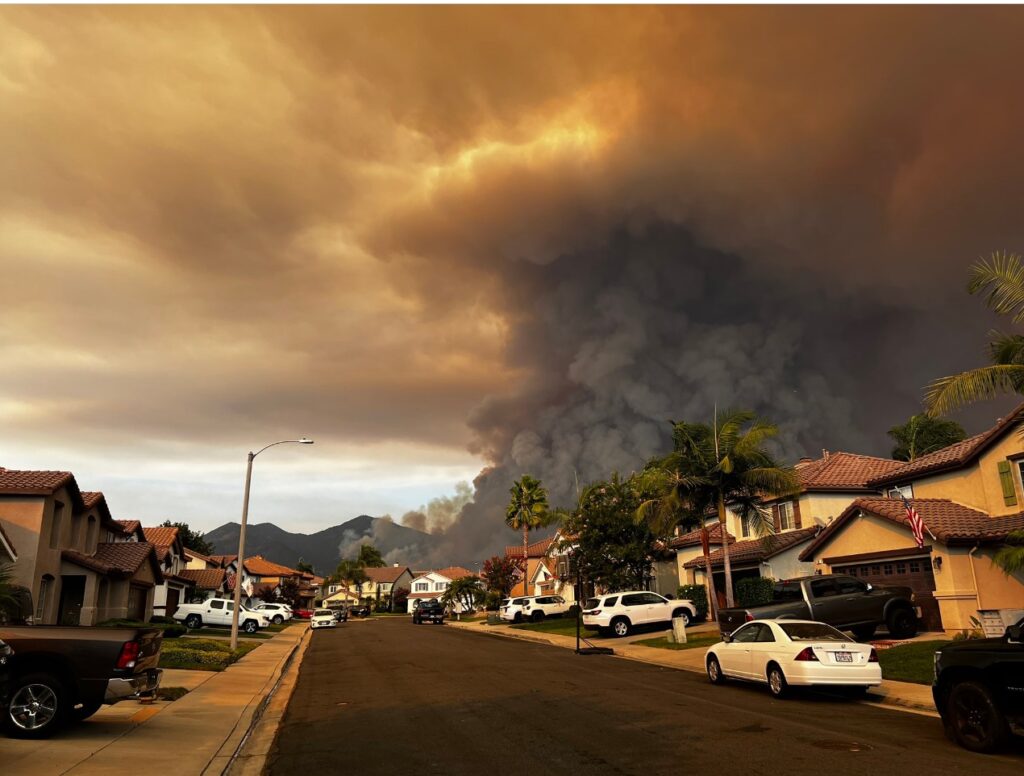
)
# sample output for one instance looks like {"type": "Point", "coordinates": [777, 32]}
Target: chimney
{"type": "Point", "coordinates": [824, 453]}
{"type": "Point", "coordinates": [396, 565]}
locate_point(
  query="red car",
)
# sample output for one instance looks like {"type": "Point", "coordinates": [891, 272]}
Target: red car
{"type": "Point", "coordinates": [303, 614]}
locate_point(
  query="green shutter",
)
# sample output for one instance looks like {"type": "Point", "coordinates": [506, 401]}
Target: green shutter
{"type": "Point", "coordinates": [1006, 480]}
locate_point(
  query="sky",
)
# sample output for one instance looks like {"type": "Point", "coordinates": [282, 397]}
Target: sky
{"type": "Point", "coordinates": [460, 244]}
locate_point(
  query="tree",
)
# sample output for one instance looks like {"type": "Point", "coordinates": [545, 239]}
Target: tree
{"type": "Point", "coordinates": [304, 567]}
{"type": "Point", "coordinates": [370, 557]}
{"type": "Point", "coordinates": [499, 574]}
{"type": "Point", "coordinates": [1010, 557]}
{"type": "Point", "coordinates": [288, 592]}
{"type": "Point", "coordinates": [351, 573]}
{"type": "Point", "coordinates": [465, 591]}
{"type": "Point", "coordinates": [192, 540]}
{"type": "Point", "coordinates": [924, 434]}
{"type": "Point", "coordinates": [10, 600]}
{"type": "Point", "coordinates": [400, 600]}
{"type": "Point", "coordinates": [527, 511]}
{"type": "Point", "coordinates": [711, 466]}
{"type": "Point", "coordinates": [267, 595]}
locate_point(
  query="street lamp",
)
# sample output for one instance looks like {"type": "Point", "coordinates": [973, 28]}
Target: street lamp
{"type": "Point", "coordinates": [240, 560]}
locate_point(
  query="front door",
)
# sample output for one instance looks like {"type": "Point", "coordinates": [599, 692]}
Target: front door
{"type": "Point", "coordinates": [72, 596]}
{"type": "Point", "coordinates": [173, 599]}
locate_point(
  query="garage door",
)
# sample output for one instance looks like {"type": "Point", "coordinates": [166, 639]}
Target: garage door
{"type": "Point", "coordinates": [915, 573]}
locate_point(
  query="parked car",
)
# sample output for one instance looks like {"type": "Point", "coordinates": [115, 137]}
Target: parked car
{"type": "Point", "coordinates": [536, 609]}
{"type": "Point", "coordinates": [218, 611]}
{"type": "Point", "coordinates": [277, 613]}
{"type": "Point", "coordinates": [782, 653]}
{"type": "Point", "coordinates": [323, 618]}
{"type": "Point", "coordinates": [53, 675]}
{"type": "Point", "coordinates": [512, 609]}
{"type": "Point", "coordinates": [429, 611]}
{"type": "Point", "coordinates": [979, 689]}
{"type": "Point", "coordinates": [302, 614]}
{"type": "Point", "coordinates": [620, 613]}
{"type": "Point", "coordinates": [844, 602]}
{"type": "Point", "coordinates": [360, 610]}
{"type": "Point", "coordinates": [340, 613]}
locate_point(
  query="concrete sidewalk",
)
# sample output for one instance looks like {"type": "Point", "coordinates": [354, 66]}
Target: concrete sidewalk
{"type": "Point", "coordinates": [903, 695]}
{"type": "Point", "coordinates": [197, 734]}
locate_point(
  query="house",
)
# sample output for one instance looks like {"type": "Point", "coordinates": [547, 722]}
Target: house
{"type": "Point", "coordinates": [827, 486]}
{"type": "Point", "coordinates": [207, 576]}
{"type": "Point", "coordinates": [80, 565]}
{"type": "Point", "coordinates": [171, 553]}
{"type": "Point", "coordinates": [432, 584]}
{"type": "Point", "coordinates": [258, 574]}
{"type": "Point", "coordinates": [538, 566]}
{"type": "Point", "coordinates": [382, 583]}
{"type": "Point", "coordinates": [970, 496]}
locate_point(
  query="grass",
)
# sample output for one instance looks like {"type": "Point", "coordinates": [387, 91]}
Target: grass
{"type": "Point", "coordinates": [561, 626]}
{"type": "Point", "coordinates": [202, 654]}
{"type": "Point", "coordinates": [692, 642]}
{"type": "Point", "coordinates": [910, 662]}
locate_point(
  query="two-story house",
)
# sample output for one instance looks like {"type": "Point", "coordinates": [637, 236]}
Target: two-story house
{"type": "Point", "coordinates": [171, 553]}
{"type": "Point", "coordinates": [539, 568]}
{"type": "Point", "coordinates": [206, 575]}
{"type": "Point", "coordinates": [827, 486]}
{"type": "Point", "coordinates": [970, 496]}
{"type": "Point", "coordinates": [432, 584]}
{"type": "Point", "coordinates": [74, 558]}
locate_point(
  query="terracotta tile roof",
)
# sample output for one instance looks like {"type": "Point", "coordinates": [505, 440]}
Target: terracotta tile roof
{"type": "Point", "coordinates": [32, 482]}
{"type": "Point", "coordinates": [91, 498]}
{"type": "Point", "coordinates": [953, 457]}
{"type": "Point", "coordinates": [198, 555]}
{"type": "Point", "coordinates": [204, 579]}
{"type": "Point", "coordinates": [949, 522]}
{"type": "Point", "coordinates": [118, 558]}
{"type": "Point", "coordinates": [129, 526]}
{"type": "Point", "coordinates": [843, 471]}
{"type": "Point", "coordinates": [161, 536]}
{"type": "Point", "coordinates": [223, 560]}
{"type": "Point", "coordinates": [259, 566]}
{"type": "Point", "coordinates": [385, 574]}
{"type": "Point", "coordinates": [756, 550]}
{"type": "Point", "coordinates": [6, 541]}
{"type": "Point", "coordinates": [455, 572]}
{"type": "Point", "coordinates": [692, 538]}
{"type": "Point", "coordinates": [535, 550]}
{"type": "Point", "coordinates": [426, 595]}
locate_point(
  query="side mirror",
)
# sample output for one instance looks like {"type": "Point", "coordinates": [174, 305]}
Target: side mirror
{"type": "Point", "coordinates": [1013, 633]}
{"type": "Point", "coordinates": [869, 588]}
{"type": "Point", "coordinates": [727, 638]}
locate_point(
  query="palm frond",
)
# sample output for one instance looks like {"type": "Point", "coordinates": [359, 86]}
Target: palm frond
{"type": "Point", "coordinates": [771, 480]}
{"type": "Point", "coordinates": [1010, 557]}
{"type": "Point", "coordinates": [1001, 279]}
{"type": "Point", "coordinates": [949, 393]}
{"type": "Point", "coordinates": [1006, 348]}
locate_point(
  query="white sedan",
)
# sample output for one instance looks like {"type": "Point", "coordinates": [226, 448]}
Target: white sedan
{"type": "Point", "coordinates": [781, 653]}
{"type": "Point", "coordinates": [322, 618]}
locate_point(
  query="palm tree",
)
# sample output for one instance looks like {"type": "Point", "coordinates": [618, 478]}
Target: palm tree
{"type": "Point", "coordinates": [351, 572]}
{"type": "Point", "coordinates": [527, 511]}
{"type": "Point", "coordinates": [711, 466]}
{"type": "Point", "coordinates": [9, 603]}
{"type": "Point", "coordinates": [1010, 557]}
{"type": "Point", "coordinates": [1001, 279]}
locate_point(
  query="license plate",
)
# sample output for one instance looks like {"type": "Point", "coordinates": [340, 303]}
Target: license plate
{"type": "Point", "coordinates": [844, 657]}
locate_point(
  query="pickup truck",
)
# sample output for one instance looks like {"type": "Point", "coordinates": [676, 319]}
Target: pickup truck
{"type": "Point", "coordinates": [979, 689]}
{"type": "Point", "coordinates": [51, 675]}
{"type": "Point", "coordinates": [843, 602]}
{"type": "Point", "coordinates": [217, 611]}
{"type": "Point", "coordinates": [429, 611]}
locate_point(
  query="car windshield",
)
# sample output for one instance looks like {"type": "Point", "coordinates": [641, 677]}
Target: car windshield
{"type": "Point", "coordinates": [811, 631]}
{"type": "Point", "coordinates": [324, 613]}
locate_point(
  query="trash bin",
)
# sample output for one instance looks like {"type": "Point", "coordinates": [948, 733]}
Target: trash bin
{"type": "Point", "coordinates": [493, 618]}
{"type": "Point", "coordinates": [679, 630]}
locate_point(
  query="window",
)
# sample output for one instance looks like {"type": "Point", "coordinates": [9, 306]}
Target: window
{"type": "Point", "coordinates": [634, 599]}
{"type": "Point", "coordinates": [901, 491]}
{"type": "Point", "coordinates": [611, 601]}
{"type": "Point", "coordinates": [823, 588]}
{"type": "Point", "coordinates": [787, 591]}
{"type": "Point", "coordinates": [915, 566]}
{"type": "Point", "coordinates": [216, 604]}
{"type": "Point", "coordinates": [440, 586]}
{"type": "Point", "coordinates": [90, 535]}
{"type": "Point", "coordinates": [55, 524]}
{"type": "Point", "coordinates": [45, 585]}
{"type": "Point", "coordinates": [422, 586]}
{"type": "Point", "coordinates": [887, 569]}
{"type": "Point", "coordinates": [785, 510]}
{"type": "Point", "coordinates": [745, 526]}
{"type": "Point", "coordinates": [901, 567]}
{"type": "Point", "coordinates": [765, 635]}
{"type": "Point", "coordinates": [748, 633]}
{"type": "Point", "coordinates": [849, 586]}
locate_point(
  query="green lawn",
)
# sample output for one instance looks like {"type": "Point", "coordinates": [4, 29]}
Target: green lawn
{"type": "Point", "coordinates": [559, 625]}
{"type": "Point", "coordinates": [692, 642]}
{"type": "Point", "coordinates": [910, 662]}
{"type": "Point", "coordinates": [225, 631]}
{"type": "Point", "coordinates": [202, 654]}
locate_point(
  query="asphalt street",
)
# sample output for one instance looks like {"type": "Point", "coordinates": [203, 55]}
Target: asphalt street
{"type": "Point", "coordinates": [386, 696]}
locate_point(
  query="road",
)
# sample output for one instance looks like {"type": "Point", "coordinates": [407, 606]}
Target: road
{"type": "Point", "coordinates": [386, 696]}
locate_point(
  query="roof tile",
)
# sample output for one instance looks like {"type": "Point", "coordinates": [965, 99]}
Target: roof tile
{"type": "Point", "coordinates": [757, 550]}
{"type": "Point", "coordinates": [205, 579]}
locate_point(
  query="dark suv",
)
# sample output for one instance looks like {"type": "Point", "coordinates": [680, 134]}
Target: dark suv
{"type": "Point", "coordinates": [429, 611]}
{"type": "Point", "coordinates": [979, 689]}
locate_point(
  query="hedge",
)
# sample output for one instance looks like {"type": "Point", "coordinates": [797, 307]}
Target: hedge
{"type": "Point", "coordinates": [754, 591]}
{"type": "Point", "coordinates": [699, 595]}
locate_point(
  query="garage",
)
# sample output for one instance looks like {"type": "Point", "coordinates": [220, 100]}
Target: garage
{"type": "Point", "coordinates": [908, 568]}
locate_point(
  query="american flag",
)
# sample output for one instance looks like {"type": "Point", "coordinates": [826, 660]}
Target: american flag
{"type": "Point", "coordinates": [916, 523]}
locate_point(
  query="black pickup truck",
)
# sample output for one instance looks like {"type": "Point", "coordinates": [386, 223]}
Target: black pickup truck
{"type": "Point", "coordinates": [843, 602]}
{"type": "Point", "coordinates": [51, 675]}
{"type": "Point", "coordinates": [979, 689]}
{"type": "Point", "coordinates": [429, 611]}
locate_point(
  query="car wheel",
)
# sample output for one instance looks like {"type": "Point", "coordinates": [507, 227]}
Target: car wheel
{"type": "Point", "coordinates": [620, 627]}
{"type": "Point", "coordinates": [902, 623]}
{"type": "Point", "coordinates": [863, 632]}
{"type": "Point", "coordinates": [85, 711]}
{"type": "Point", "coordinates": [715, 671]}
{"type": "Point", "coordinates": [250, 626]}
{"type": "Point", "coordinates": [684, 614]}
{"type": "Point", "coordinates": [278, 619]}
{"type": "Point", "coordinates": [518, 617]}
{"type": "Point", "coordinates": [36, 708]}
{"type": "Point", "coordinates": [972, 718]}
{"type": "Point", "coordinates": [777, 684]}
{"type": "Point", "coordinates": [537, 616]}
{"type": "Point", "coordinates": [193, 621]}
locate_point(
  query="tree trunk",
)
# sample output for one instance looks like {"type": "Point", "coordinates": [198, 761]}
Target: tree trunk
{"type": "Point", "coordinates": [712, 599]}
{"type": "Point", "coordinates": [725, 552]}
{"type": "Point", "coordinates": [526, 557]}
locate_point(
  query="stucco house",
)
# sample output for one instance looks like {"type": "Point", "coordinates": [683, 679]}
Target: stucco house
{"type": "Point", "coordinates": [432, 584]}
{"type": "Point", "coordinates": [207, 576]}
{"type": "Point", "coordinates": [538, 566]}
{"type": "Point", "coordinates": [170, 551]}
{"type": "Point", "coordinates": [970, 497]}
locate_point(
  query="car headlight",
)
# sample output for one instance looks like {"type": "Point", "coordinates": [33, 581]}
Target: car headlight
{"type": "Point", "coordinates": [937, 663]}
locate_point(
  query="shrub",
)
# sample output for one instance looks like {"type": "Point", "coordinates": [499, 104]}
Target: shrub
{"type": "Point", "coordinates": [754, 591]}
{"type": "Point", "coordinates": [699, 595]}
{"type": "Point", "coordinates": [574, 611]}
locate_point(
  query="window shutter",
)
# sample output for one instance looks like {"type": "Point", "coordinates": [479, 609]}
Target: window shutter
{"type": "Point", "coordinates": [777, 520]}
{"type": "Point", "coordinates": [796, 514]}
{"type": "Point", "coordinates": [1006, 480]}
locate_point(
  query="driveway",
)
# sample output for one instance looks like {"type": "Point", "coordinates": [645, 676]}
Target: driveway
{"type": "Point", "coordinates": [393, 697]}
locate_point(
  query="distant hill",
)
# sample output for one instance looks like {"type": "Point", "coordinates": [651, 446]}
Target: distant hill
{"type": "Point", "coordinates": [397, 543]}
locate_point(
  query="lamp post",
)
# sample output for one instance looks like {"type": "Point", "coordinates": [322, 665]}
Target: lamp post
{"type": "Point", "coordinates": [240, 560]}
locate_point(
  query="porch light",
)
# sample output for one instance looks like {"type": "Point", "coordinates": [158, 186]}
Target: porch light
{"type": "Point", "coordinates": [937, 563]}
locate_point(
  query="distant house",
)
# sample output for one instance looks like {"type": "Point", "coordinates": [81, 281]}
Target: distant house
{"type": "Point", "coordinates": [433, 584]}
{"type": "Point", "coordinates": [538, 567]}
{"type": "Point", "coordinates": [171, 554]}
{"type": "Point", "coordinates": [381, 585]}
{"type": "Point", "coordinates": [207, 576]}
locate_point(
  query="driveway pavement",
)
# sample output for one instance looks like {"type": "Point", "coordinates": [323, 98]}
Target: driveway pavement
{"type": "Point", "coordinates": [391, 697]}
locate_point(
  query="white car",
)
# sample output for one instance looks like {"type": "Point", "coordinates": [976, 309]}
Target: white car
{"type": "Point", "coordinates": [512, 608]}
{"type": "Point", "coordinates": [217, 611]}
{"type": "Point", "coordinates": [536, 609]}
{"type": "Point", "coordinates": [781, 653]}
{"type": "Point", "coordinates": [322, 618]}
{"type": "Point", "coordinates": [620, 613]}
{"type": "Point", "coordinates": [277, 613]}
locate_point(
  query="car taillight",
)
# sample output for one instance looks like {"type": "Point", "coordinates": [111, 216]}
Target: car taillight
{"type": "Point", "coordinates": [807, 655]}
{"type": "Point", "coordinates": [129, 654]}
{"type": "Point", "coordinates": [747, 617]}
{"type": "Point", "coordinates": [873, 658]}
{"type": "Point", "coordinates": [593, 612]}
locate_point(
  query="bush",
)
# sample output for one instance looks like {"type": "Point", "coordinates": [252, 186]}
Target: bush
{"type": "Point", "coordinates": [699, 595]}
{"type": "Point", "coordinates": [754, 591]}
{"type": "Point", "coordinates": [573, 612]}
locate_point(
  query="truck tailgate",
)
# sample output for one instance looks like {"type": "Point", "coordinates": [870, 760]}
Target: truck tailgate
{"type": "Point", "coordinates": [149, 649]}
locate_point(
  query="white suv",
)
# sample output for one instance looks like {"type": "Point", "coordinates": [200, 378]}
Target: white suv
{"type": "Point", "coordinates": [536, 609]}
{"type": "Point", "coordinates": [621, 612]}
{"type": "Point", "coordinates": [512, 608]}
{"type": "Point", "coordinates": [276, 613]}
